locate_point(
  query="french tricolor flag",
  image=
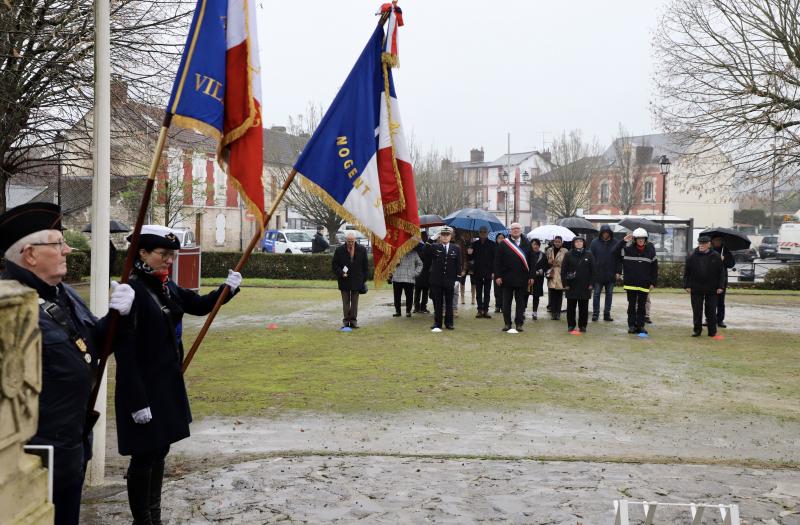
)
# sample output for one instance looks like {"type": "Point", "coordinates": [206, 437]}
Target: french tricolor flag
{"type": "Point", "coordinates": [358, 162]}
{"type": "Point", "coordinates": [217, 91]}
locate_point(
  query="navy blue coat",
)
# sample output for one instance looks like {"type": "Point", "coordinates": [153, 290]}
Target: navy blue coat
{"type": "Point", "coordinates": [149, 366]}
{"type": "Point", "coordinates": [357, 267]}
{"type": "Point", "coordinates": [483, 253]}
{"type": "Point", "coordinates": [607, 260]}
{"type": "Point", "coordinates": [445, 267]}
{"type": "Point", "coordinates": [66, 376]}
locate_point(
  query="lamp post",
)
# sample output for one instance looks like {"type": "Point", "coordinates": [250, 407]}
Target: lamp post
{"type": "Point", "coordinates": [664, 164]}
{"type": "Point", "coordinates": [60, 144]}
{"type": "Point", "coordinates": [504, 178]}
{"type": "Point", "coordinates": [517, 190]}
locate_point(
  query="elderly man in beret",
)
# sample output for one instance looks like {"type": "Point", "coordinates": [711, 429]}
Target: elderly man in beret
{"type": "Point", "coordinates": [35, 254]}
{"type": "Point", "coordinates": [704, 277]}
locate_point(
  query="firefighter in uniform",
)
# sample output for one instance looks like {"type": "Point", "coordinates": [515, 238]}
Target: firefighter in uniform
{"type": "Point", "coordinates": [35, 254]}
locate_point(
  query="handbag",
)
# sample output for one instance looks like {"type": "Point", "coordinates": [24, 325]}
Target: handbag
{"type": "Point", "coordinates": [363, 289]}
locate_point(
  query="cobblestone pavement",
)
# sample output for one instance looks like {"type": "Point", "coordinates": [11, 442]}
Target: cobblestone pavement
{"type": "Point", "coordinates": [391, 489]}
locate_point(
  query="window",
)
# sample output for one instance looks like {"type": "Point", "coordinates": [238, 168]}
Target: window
{"type": "Point", "coordinates": [501, 200]}
{"type": "Point", "coordinates": [604, 192]}
{"type": "Point", "coordinates": [649, 193]}
{"type": "Point", "coordinates": [479, 198]}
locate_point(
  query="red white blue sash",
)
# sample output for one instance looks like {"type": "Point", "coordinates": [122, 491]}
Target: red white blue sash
{"type": "Point", "coordinates": [519, 253]}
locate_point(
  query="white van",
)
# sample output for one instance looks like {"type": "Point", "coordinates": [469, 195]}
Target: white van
{"type": "Point", "coordinates": [788, 242]}
{"type": "Point", "coordinates": [286, 241]}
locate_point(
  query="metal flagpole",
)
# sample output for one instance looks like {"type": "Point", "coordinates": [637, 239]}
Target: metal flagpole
{"type": "Point", "coordinates": [101, 202]}
{"type": "Point", "coordinates": [242, 261]}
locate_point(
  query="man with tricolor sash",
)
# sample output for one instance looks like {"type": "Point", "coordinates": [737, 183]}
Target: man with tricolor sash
{"type": "Point", "coordinates": [512, 272]}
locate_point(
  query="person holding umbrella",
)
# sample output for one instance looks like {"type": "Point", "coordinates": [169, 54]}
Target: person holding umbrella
{"type": "Point", "coordinates": [481, 252]}
{"type": "Point", "coordinates": [704, 277]}
{"type": "Point", "coordinates": [555, 289]}
{"type": "Point", "coordinates": [728, 261]}
{"type": "Point", "coordinates": [640, 275]}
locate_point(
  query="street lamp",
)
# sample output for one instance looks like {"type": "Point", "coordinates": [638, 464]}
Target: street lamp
{"type": "Point", "coordinates": [504, 178]}
{"type": "Point", "coordinates": [664, 164]}
{"type": "Point", "coordinates": [60, 145]}
{"type": "Point", "coordinates": [525, 178]}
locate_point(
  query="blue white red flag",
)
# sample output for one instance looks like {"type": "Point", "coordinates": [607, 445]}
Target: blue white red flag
{"type": "Point", "coordinates": [217, 92]}
{"type": "Point", "coordinates": [357, 161]}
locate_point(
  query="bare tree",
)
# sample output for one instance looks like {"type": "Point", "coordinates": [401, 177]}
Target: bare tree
{"type": "Point", "coordinates": [627, 171]}
{"type": "Point", "coordinates": [440, 189]}
{"type": "Point", "coordinates": [730, 78]}
{"type": "Point", "coordinates": [308, 205]}
{"type": "Point", "coordinates": [566, 187]}
{"type": "Point", "coordinates": [47, 73]}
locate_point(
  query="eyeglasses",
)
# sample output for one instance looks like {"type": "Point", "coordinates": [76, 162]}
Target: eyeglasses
{"type": "Point", "coordinates": [60, 243]}
{"type": "Point", "coordinates": [165, 254]}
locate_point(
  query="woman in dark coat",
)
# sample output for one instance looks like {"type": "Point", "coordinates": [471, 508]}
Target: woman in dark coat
{"type": "Point", "coordinates": [151, 402]}
{"type": "Point", "coordinates": [350, 268]}
{"type": "Point", "coordinates": [540, 267]}
{"type": "Point", "coordinates": [577, 277]}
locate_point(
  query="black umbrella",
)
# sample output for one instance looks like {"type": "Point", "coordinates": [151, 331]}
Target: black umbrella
{"type": "Point", "coordinates": [577, 225]}
{"type": "Point", "coordinates": [640, 222]}
{"type": "Point", "coordinates": [732, 239]}
{"type": "Point", "coordinates": [430, 220]}
{"type": "Point", "coordinates": [114, 227]}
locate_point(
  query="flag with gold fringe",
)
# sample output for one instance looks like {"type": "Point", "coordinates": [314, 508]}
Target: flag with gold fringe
{"type": "Point", "coordinates": [358, 162]}
{"type": "Point", "coordinates": [217, 92]}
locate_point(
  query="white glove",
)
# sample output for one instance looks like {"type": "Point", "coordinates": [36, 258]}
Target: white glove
{"type": "Point", "coordinates": [142, 416]}
{"type": "Point", "coordinates": [234, 280]}
{"type": "Point", "coordinates": [121, 298]}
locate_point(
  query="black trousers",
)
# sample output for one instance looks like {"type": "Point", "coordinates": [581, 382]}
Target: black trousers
{"type": "Point", "coordinates": [519, 294]}
{"type": "Point", "coordinates": [399, 288]}
{"type": "Point", "coordinates": [498, 296]}
{"type": "Point", "coordinates": [556, 300]}
{"type": "Point", "coordinates": [705, 302]}
{"type": "Point", "coordinates": [442, 296]}
{"type": "Point", "coordinates": [69, 470]}
{"type": "Point", "coordinates": [421, 298]}
{"type": "Point", "coordinates": [636, 308]}
{"type": "Point", "coordinates": [582, 306]}
{"type": "Point", "coordinates": [720, 307]}
{"type": "Point", "coordinates": [535, 303]}
{"type": "Point", "coordinates": [483, 288]}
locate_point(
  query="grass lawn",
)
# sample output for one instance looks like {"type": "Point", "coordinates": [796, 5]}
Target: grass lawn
{"type": "Point", "coordinates": [396, 364]}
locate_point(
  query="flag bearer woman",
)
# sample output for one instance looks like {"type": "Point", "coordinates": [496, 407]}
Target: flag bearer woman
{"type": "Point", "coordinates": [151, 402]}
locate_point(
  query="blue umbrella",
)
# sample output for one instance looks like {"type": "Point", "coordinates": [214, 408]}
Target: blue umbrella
{"type": "Point", "coordinates": [493, 235]}
{"type": "Point", "coordinates": [471, 219]}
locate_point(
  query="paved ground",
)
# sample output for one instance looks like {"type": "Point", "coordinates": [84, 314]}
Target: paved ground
{"type": "Point", "coordinates": [472, 467]}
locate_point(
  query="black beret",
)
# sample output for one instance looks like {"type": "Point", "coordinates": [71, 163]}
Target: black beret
{"type": "Point", "coordinates": [26, 219]}
{"type": "Point", "coordinates": [704, 238]}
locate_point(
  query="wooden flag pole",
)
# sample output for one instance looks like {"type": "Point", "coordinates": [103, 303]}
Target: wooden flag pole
{"type": "Point", "coordinates": [92, 415]}
{"type": "Point", "coordinates": [242, 261]}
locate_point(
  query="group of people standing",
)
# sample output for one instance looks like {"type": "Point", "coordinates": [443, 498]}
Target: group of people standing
{"type": "Point", "coordinates": [518, 269]}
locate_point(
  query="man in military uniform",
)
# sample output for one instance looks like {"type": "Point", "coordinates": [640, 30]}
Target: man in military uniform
{"type": "Point", "coordinates": [35, 254]}
{"type": "Point", "coordinates": [445, 269]}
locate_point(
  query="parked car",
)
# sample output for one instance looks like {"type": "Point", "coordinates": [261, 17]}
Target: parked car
{"type": "Point", "coordinates": [768, 247]}
{"type": "Point", "coordinates": [746, 255]}
{"type": "Point", "coordinates": [286, 241]}
{"type": "Point", "coordinates": [789, 242]}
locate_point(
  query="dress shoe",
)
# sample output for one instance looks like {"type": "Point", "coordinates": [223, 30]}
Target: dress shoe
{"type": "Point", "coordinates": [534, 316]}
{"type": "Point", "coordinates": [582, 329]}
{"type": "Point", "coordinates": [647, 320]}
{"type": "Point", "coordinates": [450, 327]}
{"type": "Point", "coordinates": [595, 317]}
{"type": "Point", "coordinates": [486, 315]}
{"type": "Point", "coordinates": [697, 333]}
{"type": "Point", "coordinates": [632, 330]}
{"type": "Point", "coordinates": [607, 318]}
{"type": "Point", "coordinates": [353, 324]}
{"type": "Point", "coordinates": [479, 315]}
{"type": "Point", "coordinates": [396, 314]}
{"type": "Point", "coordinates": [506, 328]}
{"type": "Point", "coordinates": [408, 314]}
{"type": "Point", "coordinates": [435, 326]}
{"type": "Point", "coordinates": [722, 325]}
{"type": "Point", "coordinates": [519, 328]}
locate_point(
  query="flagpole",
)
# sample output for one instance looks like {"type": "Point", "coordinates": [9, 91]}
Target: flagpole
{"type": "Point", "coordinates": [242, 261]}
{"type": "Point", "coordinates": [93, 415]}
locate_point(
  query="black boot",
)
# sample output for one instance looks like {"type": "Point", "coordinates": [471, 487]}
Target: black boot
{"type": "Point", "coordinates": [156, 479]}
{"type": "Point", "coordinates": [139, 496]}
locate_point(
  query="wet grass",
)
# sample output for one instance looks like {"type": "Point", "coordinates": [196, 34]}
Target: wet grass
{"type": "Point", "coordinates": [396, 364]}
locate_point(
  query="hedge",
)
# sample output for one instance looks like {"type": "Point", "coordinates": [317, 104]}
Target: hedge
{"type": "Point", "coordinates": [318, 267]}
{"type": "Point", "coordinates": [272, 265]}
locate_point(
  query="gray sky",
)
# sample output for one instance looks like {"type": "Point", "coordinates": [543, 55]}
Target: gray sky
{"type": "Point", "coordinates": [473, 71]}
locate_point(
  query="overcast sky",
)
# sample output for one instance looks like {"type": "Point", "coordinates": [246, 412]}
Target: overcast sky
{"type": "Point", "coordinates": [473, 71]}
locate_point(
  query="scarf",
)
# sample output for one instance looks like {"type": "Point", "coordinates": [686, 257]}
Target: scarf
{"type": "Point", "coordinates": [142, 268]}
